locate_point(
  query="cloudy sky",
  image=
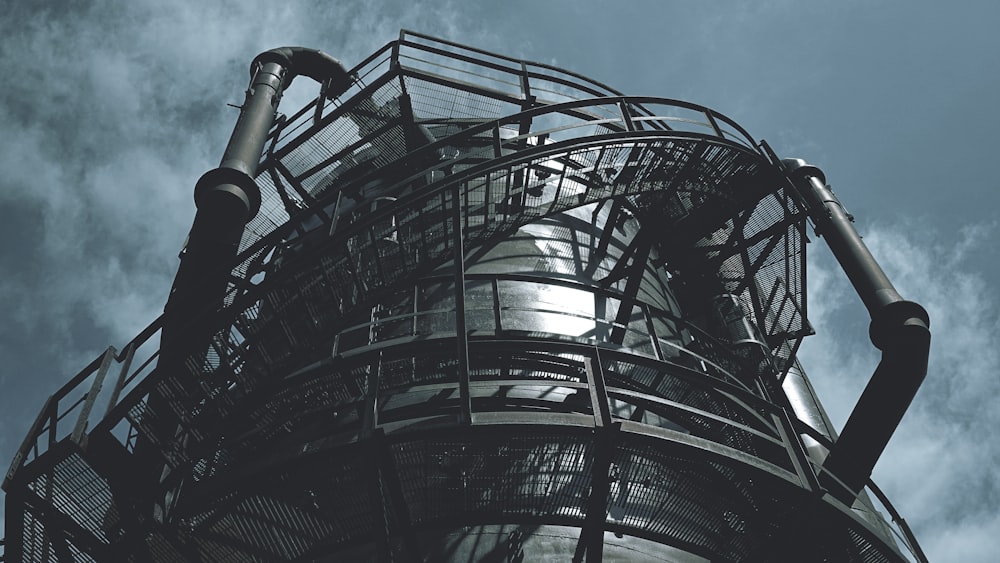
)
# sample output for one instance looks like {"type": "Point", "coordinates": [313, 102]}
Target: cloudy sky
{"type": "Point", "coordinates": [111, 111]}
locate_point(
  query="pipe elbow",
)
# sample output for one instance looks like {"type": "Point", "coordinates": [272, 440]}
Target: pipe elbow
{"type": "Point", "coordinates": [312, 63]}
{"type": "Point", "coordinates": [899, 321]}
{"type": "Point", "coordinates": [901, 330]}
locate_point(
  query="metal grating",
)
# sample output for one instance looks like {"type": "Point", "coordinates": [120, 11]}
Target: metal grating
{"type": "Point", "coordinates": [77, 491]}
{"type": "Point", "coordinates": [494, 477]}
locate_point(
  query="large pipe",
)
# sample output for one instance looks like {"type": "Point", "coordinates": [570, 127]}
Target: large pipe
{"type": "Point", "coordinates": [899, 328]}
{"type": "Point", "coordinates": [227, 197]}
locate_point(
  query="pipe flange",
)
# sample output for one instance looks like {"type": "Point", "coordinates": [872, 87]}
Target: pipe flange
{"type": "Point", "coordinates": [313, 63]}
{"type": "Point", "coordinates": [797, 168]}
{"type": "Point", "coordinates": [889, 321]}
{"type": "Point", "coordinates": [218, 178]}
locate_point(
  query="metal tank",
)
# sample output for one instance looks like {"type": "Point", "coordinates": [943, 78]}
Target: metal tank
{"type": "Point", "coordinates": [463, 307]}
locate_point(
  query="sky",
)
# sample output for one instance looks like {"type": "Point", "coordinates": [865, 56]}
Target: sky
{"type": "Point", "coordinates": [112, 110]}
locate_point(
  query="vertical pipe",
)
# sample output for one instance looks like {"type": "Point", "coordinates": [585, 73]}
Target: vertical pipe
{"type": "Point", "coordinates": [227, 197]}
{"type": "Point", "coordinates": [899, 328]}
{"type": "Point", "coordinates": [836, 227]}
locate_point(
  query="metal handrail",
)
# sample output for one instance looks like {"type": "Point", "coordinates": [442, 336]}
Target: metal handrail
{"type": "Point", "coordinates": [55, 409]}
{"type": "Point", "coordinates": [902, 528]}
{"type": "Point", "coordinates": [50, 413]}
{"type": "Point", "coordinates": [463, 137]}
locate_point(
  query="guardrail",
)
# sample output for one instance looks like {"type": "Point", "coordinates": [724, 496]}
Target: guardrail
{"type": "Point", "coordinates": [897, 526]}
{"type": "Point", "coordinates": [85, 399]}
{"type": "Point", "coordinates": [68, 413]}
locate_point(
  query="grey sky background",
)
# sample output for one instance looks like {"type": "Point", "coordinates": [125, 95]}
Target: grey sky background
{"type": "Point", "coordinates": [110, 111]}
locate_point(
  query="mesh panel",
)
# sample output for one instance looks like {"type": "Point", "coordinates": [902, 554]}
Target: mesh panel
{"type": "Point", "coordinates": [660, 382]}
{"type": "Point", "coordinates": [36, 546]}
{"type": "Point", "coordinates": [696, 503]}
{"type": "Point", "coordinates": [434, 101]}
{"type": "Point", "coordinates": [290, 513]}
{"type": "Point", "coordinates": [494, 476]}
{"type": "Point", "coordinates": [77, 491]}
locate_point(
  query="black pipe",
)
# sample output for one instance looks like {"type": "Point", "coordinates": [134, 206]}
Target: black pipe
{"type": "Point", "coordinates": [899, 328]}
{"type": "Point", "coordinates": [313, 63]}
{"type": "Point", "coordinates": [227, 197]}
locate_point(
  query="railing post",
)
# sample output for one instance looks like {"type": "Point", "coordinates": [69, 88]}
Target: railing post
{"type": "Point", "coordinates": [626, 115]}
{"type": "Point", "coordinates": [714, 124]}
{"type": "Point", "coordinates": [796, 450]}
{"type": "Point", "coordinates": [95, 389]}
{"type": "Point", "coordinates": [122, 375]}
{"type": "Point", "coordinates": [461, 333]}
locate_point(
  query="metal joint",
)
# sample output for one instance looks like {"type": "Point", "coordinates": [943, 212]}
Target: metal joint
{"type": "Point", "coordinates": [307, 62]}
{"type": "Point", "coordinates": [231, 181]}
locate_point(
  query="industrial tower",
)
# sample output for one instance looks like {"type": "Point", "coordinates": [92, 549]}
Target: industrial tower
{"type": "Point", "coordinates": [463, 307]}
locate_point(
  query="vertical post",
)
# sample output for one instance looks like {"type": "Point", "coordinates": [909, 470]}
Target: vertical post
{"type": "Point", "coordinates": [497, 316]}
{"type": "Point", "coordinates": [122, 375]}
{"type": "Point", "coordinates": [598, 392]}
{"type": "Point", "coordinates": [714, 124]}
{"type": "Point", "coordinates": [591, 542]}
{"type": "Point", "coordinates": [626, 115]}
{"type": "Point", "coordinates": [95, 390]}
{"type": "Point", "coordinates": [376, 496]}
{"type": "Point", "coordinates": [592, 531]}
{"type": "Point", "coordinates": [796, 450]}
{"type": "Point", "coordinates": [462, 335]}
{"type": "Point", "coordinates": [369, 418]}
{"type": "Point", "coordinates": [651, 330]}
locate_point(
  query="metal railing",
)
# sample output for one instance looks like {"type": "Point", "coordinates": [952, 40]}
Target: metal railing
{"type": "Point", "coordinates": [69, 412]}
{"type": "Point", "coordinates": [73, 410]}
